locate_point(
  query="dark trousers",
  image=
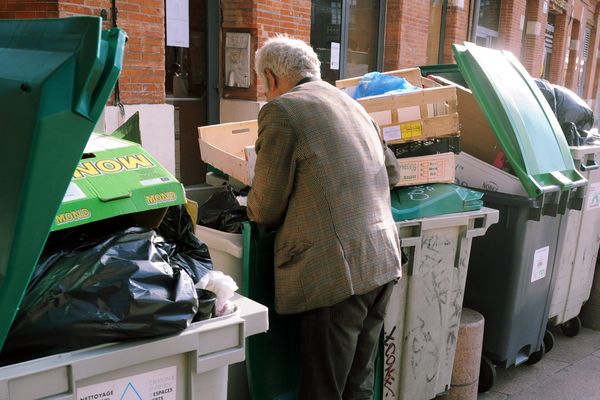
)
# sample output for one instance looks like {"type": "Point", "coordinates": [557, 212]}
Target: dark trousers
{"type": "Point", "coordinates": [339, 345]}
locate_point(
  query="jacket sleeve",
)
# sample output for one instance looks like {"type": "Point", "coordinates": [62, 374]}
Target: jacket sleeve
{"type": "Point", "coordinates": [275, 168]}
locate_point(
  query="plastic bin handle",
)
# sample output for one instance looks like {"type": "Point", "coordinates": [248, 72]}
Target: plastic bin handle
{"type": "Point", "coordinates": [481, 224]}
{"type": "Point", "coordinates": [592, 165]}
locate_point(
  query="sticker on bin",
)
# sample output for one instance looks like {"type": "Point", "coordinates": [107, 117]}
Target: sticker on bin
{"type": "Point", "coordinates": [593, 196]}
{"type": "Point", "coordinates": [540, 263]}
{"type": "Point", "coordinates": [160, 384]}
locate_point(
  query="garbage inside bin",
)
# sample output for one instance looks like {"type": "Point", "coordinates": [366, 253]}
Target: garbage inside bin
{"type": "Point", "coordinates": [222, 211]}
{"type": "Point", "coordinates": [114, 288]}
{"type": "Point", "coordinates": [574, 115]}
{"type": "Point", "coordinates": [183, 249]}
{"type": "Point", "coordinates": [431, 200]}
{"type": "Point", "coordinates": [55, 78]}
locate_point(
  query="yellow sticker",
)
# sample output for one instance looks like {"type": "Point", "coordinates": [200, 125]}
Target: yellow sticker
{"type": "Point", "coordinates": [411, 130]}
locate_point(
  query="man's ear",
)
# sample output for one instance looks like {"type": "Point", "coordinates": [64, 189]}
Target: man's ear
{"type": "Point", "coordinates": [271, 79]}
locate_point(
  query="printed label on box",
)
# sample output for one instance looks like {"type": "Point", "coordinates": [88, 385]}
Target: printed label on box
{"type": "Point", "coordinates": [540, 263]}
{"type": "Point", "coordinates": [411, 130]}
{"type": "Point", "coordinates": [392, 133]}
{"type": "Point", "coordinates": [160, 384]}
{"type": "Point", "coordinates": [593, 196]}
{"type": "Point", "coordinates": [155, 181]}
{"type": "Point", "coordinates": [73, 193]}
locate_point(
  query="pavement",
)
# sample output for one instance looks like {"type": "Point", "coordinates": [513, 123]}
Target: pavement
{"type": "Point", "coordinates": [570, 371]}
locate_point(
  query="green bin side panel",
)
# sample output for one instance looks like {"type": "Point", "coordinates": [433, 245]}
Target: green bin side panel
{"type": "Point", "coordinates": [273, 358]}
{"type": "Point", "coordinates": [499, 279]}
{"type": "Point", "coordinates": [55, 78]}
{"type": "Point", "coordinates": [425, 201]}
{"type": "Point", "coordinates": [525, 126]}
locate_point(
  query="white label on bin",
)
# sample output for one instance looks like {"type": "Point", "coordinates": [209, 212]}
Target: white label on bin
{"type": "Point", "coordinates": [392, 133]}
{"type": "Point", "coordinates": [540, 263]}
{"type": "Point", "coordinates": [73, 193]}
{"type": "Point", "coordinates": [160, 384]}
{"type": "Point", "coordinates": [593, 196]}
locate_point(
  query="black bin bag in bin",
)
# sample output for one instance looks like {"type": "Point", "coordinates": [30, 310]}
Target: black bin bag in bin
{"type": "Point", "coordinates": [182, 248]}
{"type": "Point", "coordinates": [223, 212]}
{"type": "Point", "coordinates": [113, 288]}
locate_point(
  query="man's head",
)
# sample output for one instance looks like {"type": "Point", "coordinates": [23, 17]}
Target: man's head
{"type": "Point", "coordinates": [282, 62]}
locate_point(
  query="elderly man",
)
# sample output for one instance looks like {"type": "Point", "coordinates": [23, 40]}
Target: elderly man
{"type": "Point", "coordinates": [322, 179]}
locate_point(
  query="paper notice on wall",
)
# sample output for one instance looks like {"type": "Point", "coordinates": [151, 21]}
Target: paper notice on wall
{"type": "Point", "coordinates": [392, 133]}
{"type": "Point", "coordinates": [157, 384]}
{"type": "Point", "coordinates": [334, 62]}
{"type": "Point", "coordinates": [178, 23]}
{"type": "Point", "coordinates": [540, 263]}
{"type": "Point", "coordinates": [593, 196]}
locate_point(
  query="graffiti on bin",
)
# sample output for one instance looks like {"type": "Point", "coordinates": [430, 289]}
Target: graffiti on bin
{"type": "Point", "coordinates": [389, 375]}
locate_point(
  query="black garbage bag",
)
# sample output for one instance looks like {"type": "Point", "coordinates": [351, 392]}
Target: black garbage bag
{"type": "Point", "coordinates": [223, 212]}
{"type": "Point", "coordinates": [115, 288]}
{"type": "Point", "coordinates": [548, 91]}
{"type": "Point", "coordinates": [182, 248]}
{"type": "Point", "coordinates": [572, 112]}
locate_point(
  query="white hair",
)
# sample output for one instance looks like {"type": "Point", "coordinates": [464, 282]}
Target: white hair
{"type": "Point", "coordinates": [287, 58]}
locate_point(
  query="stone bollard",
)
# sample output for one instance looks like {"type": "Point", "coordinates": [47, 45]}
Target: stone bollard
{"type": "Point", "coordinates": [467, 359]}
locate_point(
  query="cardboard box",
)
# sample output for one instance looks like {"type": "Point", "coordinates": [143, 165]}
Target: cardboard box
{"type": "Point", "coordinates": [478, 174]}
{"type": "Point", "coordinates": [230, 148]}
{"type": "Point", "coordinates": [426, 113]}
{"type": "Point", "coordinates": [117, 177]}
{"type": "Point", "coordinates": [436, 168]}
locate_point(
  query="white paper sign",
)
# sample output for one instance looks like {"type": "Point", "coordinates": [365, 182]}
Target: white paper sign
{"type": "Point", "coordinates": [540, 263]}
{"type": "Point", "coordinates": [392, 133]}
{"type": "Point", "coordinates": [593, 196]}
{"type": "Point", "coordinates": [335, 56]}
{"type": "Point", "coordinates": [178, 23]}
{"type": "Point", "coordinates": [158, 384]}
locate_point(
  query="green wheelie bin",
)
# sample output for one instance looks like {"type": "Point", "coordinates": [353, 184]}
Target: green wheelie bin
{"type": "Point", "coordinates": [55, 78]}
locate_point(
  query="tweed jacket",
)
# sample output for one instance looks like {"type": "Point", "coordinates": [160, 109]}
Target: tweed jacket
{"type": "Point", "coordinates": [320, 179]}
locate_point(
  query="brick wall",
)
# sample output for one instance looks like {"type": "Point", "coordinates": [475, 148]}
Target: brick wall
{"type": "Point", "coordinates": [532, 50]}
{"type": "Point", "coordinates": [457, 23]}
{"type": "Point", "coordinates": [562, 35]}
{"type": "Point", "coordinates": [142, 80]}
{"type": "Point", "coordinates": [592, 61]}
{"type": "Point", "coordinates": [15, 9]}
{"type": "Point", "coordinates": [509, 31]}
{"type": "Point", "coordinates": [407, 27]}
{"type": "Point", "coordinates": [263, 19]}
{"type": "Point", "coordinates": [143, 75]}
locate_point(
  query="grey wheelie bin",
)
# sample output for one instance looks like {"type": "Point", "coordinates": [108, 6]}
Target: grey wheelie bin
{"type": "Point", "coordinates": [55, 78]}
{"type": "Point", "coordinates": [578, 247]}
{"type": "Point", "coordinates": [506, 121]}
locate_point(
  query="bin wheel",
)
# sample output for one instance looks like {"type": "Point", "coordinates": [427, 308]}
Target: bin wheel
{"type": "Point", "coordinates": [548, 341]}
{"type": "Point", "coordinates": [487, 375]}
{"type": "Point", "coordinates": [572, 327]}
{"type": "Point", "coordinates": [536, 356]}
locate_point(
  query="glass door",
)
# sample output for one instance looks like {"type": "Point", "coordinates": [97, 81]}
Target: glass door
{"type": "Point", "coordinates": [347, 35]}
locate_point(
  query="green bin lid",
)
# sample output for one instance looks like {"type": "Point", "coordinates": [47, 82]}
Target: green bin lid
{"type": "Point", "coordinates": [423, 201]}
{"type": "Point", "coordinates": [521, 118]}
{"type": "Point", "coordinates": [55, 78]}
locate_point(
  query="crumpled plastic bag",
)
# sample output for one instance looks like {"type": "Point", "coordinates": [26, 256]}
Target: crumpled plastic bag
{"type": "Point", "coordinates": [182, 248]}
{"type": "Point", "coordinates": [376, 83]}
{"type": "Point", "coordinates": [223, 286]}
{"type": "Point", "coordinates": [223, 212]}
{"type": "Point", "coordinates": [114, 288]}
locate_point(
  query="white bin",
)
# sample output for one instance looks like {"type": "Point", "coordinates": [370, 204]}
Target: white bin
{"type": "Point", "coordinates": [578, 245]}
{"type": "Point", "coordinates": [225, 250]}
{"type": "Point", "coordinates": [423, 316]}
{"type": "Point", "coordinates": [192, 365]}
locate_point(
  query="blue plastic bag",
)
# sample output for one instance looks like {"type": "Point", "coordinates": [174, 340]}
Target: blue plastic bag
{"type": "Point", "coordinates": [376, 83]}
